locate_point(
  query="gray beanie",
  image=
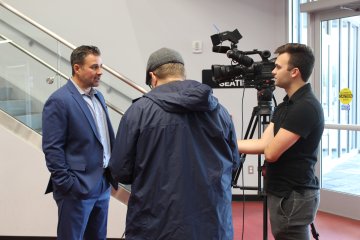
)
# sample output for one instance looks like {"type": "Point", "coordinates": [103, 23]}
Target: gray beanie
{"type": "Point", "coordinates": [161, 57]}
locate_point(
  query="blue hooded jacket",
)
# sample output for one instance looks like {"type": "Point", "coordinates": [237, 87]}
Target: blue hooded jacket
{"type": "Point", "coordinates": [177, 148]}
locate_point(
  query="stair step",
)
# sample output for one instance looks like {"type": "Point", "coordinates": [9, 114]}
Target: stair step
{"type": "Point", "coordinates": [20, 105]}
{"type": "Point", "coordinates": [5, 93]}
{"type": "Point", "coordinates": [14, 107]}
{"type": "Point", "coordinates": [33, 120]}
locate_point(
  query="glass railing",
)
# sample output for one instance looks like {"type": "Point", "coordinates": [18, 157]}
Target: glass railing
{"type": "Point", "coordinates": [23, 97]}
{"type": "Point", "coordinates": [42, 59]}
{"type": "Point", "coordinates": [34, 62]}
{"type": "Point", "coordinates": [26, 81]}
{"type": "Point", "coordinates": [23, 88]}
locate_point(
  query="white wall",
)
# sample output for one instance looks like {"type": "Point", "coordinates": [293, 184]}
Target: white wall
{"type": "Point", "coordinates": [127, 32]}
{"type": "Point", "coordinates": [25, 209]}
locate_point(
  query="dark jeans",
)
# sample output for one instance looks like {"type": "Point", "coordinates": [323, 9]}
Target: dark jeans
{"type": "Point", "coordinates": [83, 218]}
{"type": "Point", "coordinates": [291, 217]}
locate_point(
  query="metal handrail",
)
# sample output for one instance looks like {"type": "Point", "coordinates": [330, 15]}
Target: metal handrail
{"type": "Point", "coordinates": [350, 127]}
{"type": "Point", "coordinates": [57, 72]}
{"type": "Point", "coordinates": [7, 40]}
{"type": "Point", "coordinates": [71, 46]}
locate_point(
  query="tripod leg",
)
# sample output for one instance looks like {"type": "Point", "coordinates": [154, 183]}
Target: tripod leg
{"type": "Point", "coordinates": [248, 135]}
{"type": "Point", "coordinates": [314, 232]}
{"type": "Point", "coordinates": [256, 122]}
{"type": "Point", "coordinates": [265, 218]}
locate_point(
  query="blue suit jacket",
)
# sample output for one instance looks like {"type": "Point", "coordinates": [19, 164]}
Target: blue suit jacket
{"type": "Point", "coordinates": [71, 143]}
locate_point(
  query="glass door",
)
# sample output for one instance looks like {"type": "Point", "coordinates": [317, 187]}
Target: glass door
{"type": "Point", "coordinates": [337, 83]}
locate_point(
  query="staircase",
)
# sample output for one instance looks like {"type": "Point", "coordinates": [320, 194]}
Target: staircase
{"type": "Point", "coordinates": [28, 60]}
{"type": "Point", "coordinates": [20, 105]}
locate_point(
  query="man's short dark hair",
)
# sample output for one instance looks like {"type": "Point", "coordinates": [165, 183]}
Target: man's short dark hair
{"type": "Point", "coordinates": [301, 57]}
{"type": "Point", "coordinates": [79, 54]}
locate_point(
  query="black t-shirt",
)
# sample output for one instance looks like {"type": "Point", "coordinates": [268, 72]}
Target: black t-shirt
{"type": "Point", "coordinates": [302, 114]}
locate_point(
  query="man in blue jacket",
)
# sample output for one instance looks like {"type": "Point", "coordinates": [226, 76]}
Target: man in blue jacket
{"type": "Point", "coordinates": [77, 140]}
{"type": "Point", "coordinates": [177, 148]}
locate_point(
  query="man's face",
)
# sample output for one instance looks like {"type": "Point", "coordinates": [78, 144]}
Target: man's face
{"type": "Point", "coordinates": [89, 73]}
{"type": "Point", "coordinates": [281, 73]}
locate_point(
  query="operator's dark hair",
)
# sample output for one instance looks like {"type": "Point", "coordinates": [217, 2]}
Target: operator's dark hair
{"type": "Point", "coordinates": [301, 57]}
{"type": "Point", "coordinates": [79, 54]}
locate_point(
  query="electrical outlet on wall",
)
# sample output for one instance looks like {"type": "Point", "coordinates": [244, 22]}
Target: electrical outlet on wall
{"type": "Point", "coordinates": [251, 169]}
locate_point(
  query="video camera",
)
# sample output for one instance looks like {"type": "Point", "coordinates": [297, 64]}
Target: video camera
{"type": "Point", "coordinates": [252, 74]}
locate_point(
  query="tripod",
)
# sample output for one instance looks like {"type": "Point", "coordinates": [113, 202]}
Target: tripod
{"type": "Point", "coordinates": [260, 117]}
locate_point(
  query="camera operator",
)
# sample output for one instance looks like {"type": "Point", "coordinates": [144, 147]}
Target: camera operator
{"type": "Point", "coordinates": [290, 145]}
{"type": "Point", "coordinates": [177, 146]}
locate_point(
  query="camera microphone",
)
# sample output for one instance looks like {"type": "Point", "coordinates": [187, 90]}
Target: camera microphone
{"type": "Point", "coordinates": [239, 57]}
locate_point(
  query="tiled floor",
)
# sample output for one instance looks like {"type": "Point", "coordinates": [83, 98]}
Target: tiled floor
{"type": "Point", "coordinates": [342, 174]}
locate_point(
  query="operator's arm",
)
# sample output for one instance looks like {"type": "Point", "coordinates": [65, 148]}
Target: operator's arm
{"type": "Point", "coordinates": [257, 146]}
{"type": "Point", "coordinates": [282, 141]}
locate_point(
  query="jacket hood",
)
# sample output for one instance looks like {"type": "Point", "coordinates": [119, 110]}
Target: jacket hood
{"type": "Point", "coordinates": [183, 96]}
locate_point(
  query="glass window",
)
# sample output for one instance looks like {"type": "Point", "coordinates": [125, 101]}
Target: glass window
{"type": "Point", "coordinates": [340, 146]}
{"type": "Point", "coordinates": [297, 22]}
{"type": "Point", "coordinates": [340, 100]}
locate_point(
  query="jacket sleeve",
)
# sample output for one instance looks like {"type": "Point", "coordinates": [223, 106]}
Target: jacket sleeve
{"type": "Point", "coordinates": [123, 155]}
{"type": "Point", "coordinates": [54, 125]}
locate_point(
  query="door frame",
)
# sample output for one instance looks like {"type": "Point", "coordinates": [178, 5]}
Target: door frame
{"type": "Point", "coordinates": [342, 204]}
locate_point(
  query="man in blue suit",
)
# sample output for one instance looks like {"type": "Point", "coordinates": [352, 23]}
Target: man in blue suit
{"type": "Point", "coordinates": [77, 142]}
